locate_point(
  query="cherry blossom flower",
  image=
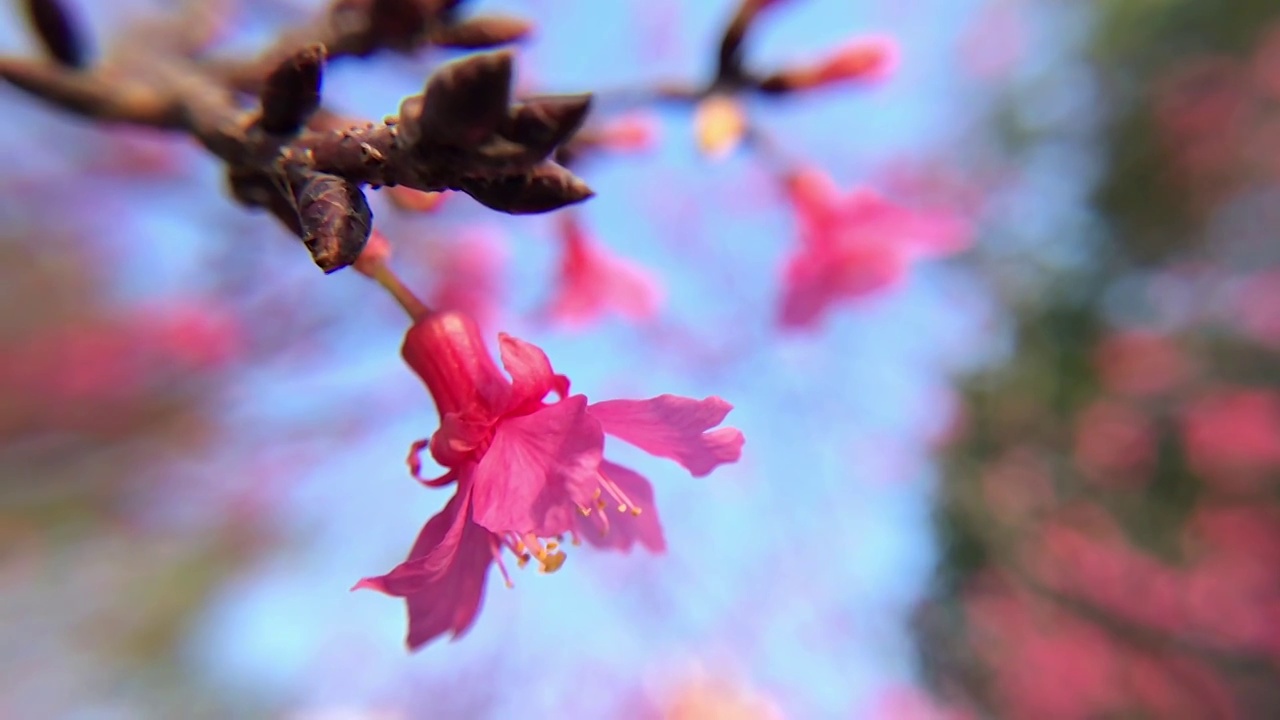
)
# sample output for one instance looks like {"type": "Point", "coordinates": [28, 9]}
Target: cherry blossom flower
{"type": "Point", "coordinates": [1256, 307]}
{"type": "Point", "coordinates": [528, 472]}
{"type": "Point", "coordinates": [593, 282]}
{"type": "Point", "coordinates": [855, 244]}
{"type": "Point", "coordinates": [631, 132]}
{"type": "Point", "coordinates": [1115, 444]}
{"type": "Point", "coordinates": [1233, 438]}
{"type": "Point", "coordinates": [1139, 363]}
{"type": "Point", "coordinates": [468, 272]}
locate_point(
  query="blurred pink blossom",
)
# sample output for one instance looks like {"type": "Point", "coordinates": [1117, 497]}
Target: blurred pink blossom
{"type": "Point", "coordinates": [468, 275]}
{"type": "Point", "coordinates": [1232, 438]}
{"type": "Point", "coordinates": [592, 282]}
{"type": "Point", "coordinates": [79, 374]}
{"type": "Point", "coordinates": [1140, 363]}
{"type": "Point", "coordinates": [1018, 486]}
{"type": "Point", "coordinates": [910, 703]}
{"type": "Point", "coordinates": [1256, 307]}
{"type": "Point", "coordinates": [855, 244]}
{"type": "Point", "coordinates": [527, 471]}
{"type": "Point", "coordinates": [632, 132]}
{"type": "Point", "coordinates": [1115, 444]}
{"type": "Point", "coordinates": [1046, 660]}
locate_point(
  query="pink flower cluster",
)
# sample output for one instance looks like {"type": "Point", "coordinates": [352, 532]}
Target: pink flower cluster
{"type": "Point", "coordinates": [528, 472]}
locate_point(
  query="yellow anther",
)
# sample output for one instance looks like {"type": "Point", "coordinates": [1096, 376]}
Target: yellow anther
{"type": "Point", "coordinates": [552, 545]}
{"type": "Point", "coordinates": [622, 507]}
{"type": "Point", "coordinates": [522, 560]}
{"type": "Point", "coordinates": [586, 511]}
{"type": "Point", "coordinates": [635, 511]}
{"type": "Point", "coordinates": [552, 563]}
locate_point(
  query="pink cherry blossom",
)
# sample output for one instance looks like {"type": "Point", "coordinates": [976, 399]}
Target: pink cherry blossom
{"type": "Point", "coordinates": [1232, 438]}
{"type": "Point", "coordinates": [854, 244]}
{"type": "Point", "coordinates": [1115, 444]}
{"type": "Point", "coordinates": [468, 272]}
{"type": "Point", "coordinates": [593, 282]}
{"type": "Point", "coordinates": [1139, 363]}
{"type": "Point", "coordinates": [528, 471]}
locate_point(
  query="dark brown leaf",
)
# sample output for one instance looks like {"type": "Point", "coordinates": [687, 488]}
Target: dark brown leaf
{"type": "Point", "coordinates": [292, 91]}
{"type": "Point", "coordinates": [482, 32]}
{"type": "Point", "coordinates": [546, 187]}
{"type": "Point", "coordinates": [542, 124]}
{"type": "Point", "coordinates": [59, 35]}
{"type": "Point", "coordinates": [399, 24]}
{"type": "Point", "coordinates": [466, 100]}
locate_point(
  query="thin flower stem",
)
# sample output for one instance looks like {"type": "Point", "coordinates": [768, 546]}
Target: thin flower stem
{"type": "Point", "coordinates": [385, 277]}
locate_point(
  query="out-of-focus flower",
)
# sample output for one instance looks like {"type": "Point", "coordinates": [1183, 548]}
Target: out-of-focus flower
{"type": "Point", "coordinates": [1200, 114]}
{"type": "Point", "coordinates": [1018, 486]}
{"type": "Point", "coordinates": [996, 39]}
{"type": "Point", "coordinates": [527, 471]}
{"type": "Point", "coordinates": [136, 152]}
{"type": "Point", "coordinates": [1115, 444]}
{"type": "Point", "coordinates": [1266, 63]}
{"type": "Point", "coordinates": [1256, 308]}
{"type": "Point", "coordinates": [410, 200]}
{"type": "Point", "coordinates": [719, 125]}
{"type": "Point", "coordinates": [855, 244]}
{"type": "Point", "coordinates": [1140, 363]}
{"type": "Point", "coordinates": [860, 60]}
{"type": "Point", "coordinates": [1023, 638]}
{"type": "Point", "coordinates": [82, 376]}
{"type": "Point", "coordinates": [1233, 438]}
{"type": "Point", "coordinates": [593, 282]}
{"type": "Point", "coordinates": [910, 703]}
{"type": "Point", "coordinates": [468, 275]}
{"type": "Point", "coordinates": [705, 697]}
{"type": "Point", "coordinates": [632, 132]}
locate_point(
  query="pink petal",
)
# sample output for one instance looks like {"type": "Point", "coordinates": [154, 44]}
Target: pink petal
{"type": "Point", "coordinates": [443, 579]}
{"type": "Point", "coordinates": [531, 374]}
{"type": "Point", "coordinates": [432, 553]}
{"type": "Point", "coordinates": [674, 427]}
{"type": "Point", "coordinates": [815, 281]}
{"type": "Point", "coordinates": [815, 197]}
{"type": "Point", "coordinates": [452, 602]}
{"type": "Point", "coordinates": [619, 530]}
{"type": "Point", "coordinates": [539, 468]}
{"type": "Point", "coordinates": [447, 351]}
{"type": "Point", "coordinates": [468, 274]}
{"type": "Point", "coordinates": [868, 218]}
{"type": "Point", "coordinates": [593, 282]}
{"type": "Point", "coordinates": [936, 234]}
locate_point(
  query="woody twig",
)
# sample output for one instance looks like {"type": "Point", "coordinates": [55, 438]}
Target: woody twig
{"type": "Point", "coordinates": [463, 132]}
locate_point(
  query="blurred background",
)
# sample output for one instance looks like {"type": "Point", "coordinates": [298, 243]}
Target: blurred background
{"type": "Point", "coordinates": [1036, 480]}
